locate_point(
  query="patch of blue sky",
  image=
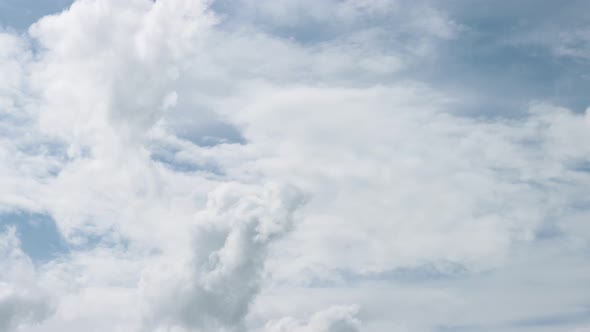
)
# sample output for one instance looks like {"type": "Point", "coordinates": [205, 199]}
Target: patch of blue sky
{"type": "Point", "coordinates": [39, 236]}
{"type": "Point", "coordinates": [504, 79]}
{"type": "Point", "coordinates": [20, 14]}
{"type": "Point", "coordinates": [504, 51]}
{"type": "Point", "coordinates": [42, 241]}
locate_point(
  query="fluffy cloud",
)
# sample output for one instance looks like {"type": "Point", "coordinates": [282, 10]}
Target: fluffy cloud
{"type": "Point", "coordinates": [213, 289]}
{"type": "Point", "coordinates": [88, 81]}
{"type": "Point", "coordinates": [334, 319]}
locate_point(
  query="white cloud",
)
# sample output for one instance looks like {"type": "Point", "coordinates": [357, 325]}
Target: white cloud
{"type": "Point", "coordinates": [213, 288]}
{"type": "Point", "coordinates": [86, 82]}
{"type": "Point", "coordinates": [334, 319]}
{"type": "Point", "coordinates": [419, 178]}
{"type": "Point", "coordinates": [397, 181]}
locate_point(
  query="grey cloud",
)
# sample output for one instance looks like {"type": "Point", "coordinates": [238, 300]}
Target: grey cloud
{"type": "Point", "coordinates": [19, 307]}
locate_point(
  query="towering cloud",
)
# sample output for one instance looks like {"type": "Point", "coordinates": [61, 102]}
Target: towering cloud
{"type": "Point", "coordinates": [214, 287]}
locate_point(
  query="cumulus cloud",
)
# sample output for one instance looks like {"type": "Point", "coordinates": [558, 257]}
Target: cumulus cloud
{"type": "Point", "coordinates": [334, 319]}
{"type": "Point", "coordinates": [214, 288]}
{"type": "Point", "coordinates": [88, 81]}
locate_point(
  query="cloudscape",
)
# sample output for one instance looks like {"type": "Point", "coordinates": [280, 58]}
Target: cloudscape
{"type": "Point", "coordinates": [294, 166]}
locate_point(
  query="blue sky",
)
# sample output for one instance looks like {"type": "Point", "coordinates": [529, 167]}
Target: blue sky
{"type": "Point", "coordinates": [294, 165]}
{"type": "Point", "coordinates": [38, 235]}
{"type": "Point", "coordinates": [20, 14]}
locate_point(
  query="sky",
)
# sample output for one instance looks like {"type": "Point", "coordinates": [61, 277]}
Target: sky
{"type": "Point", "coordinates": [294, 166]}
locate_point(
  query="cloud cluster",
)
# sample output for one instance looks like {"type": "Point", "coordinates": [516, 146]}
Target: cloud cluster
{"type": "Point", "coordinates": [171, 142]}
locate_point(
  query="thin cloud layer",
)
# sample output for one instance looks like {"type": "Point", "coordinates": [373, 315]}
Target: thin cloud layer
{"type": "Point", "coordinates": [299, 166]}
